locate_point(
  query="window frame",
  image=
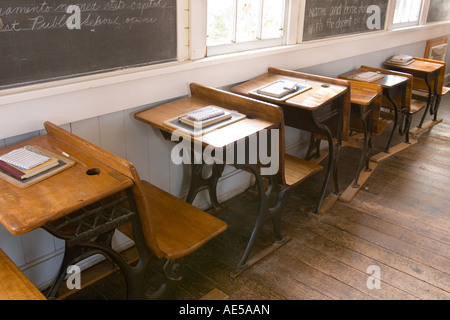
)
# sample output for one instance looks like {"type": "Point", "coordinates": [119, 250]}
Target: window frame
{"type": "Point", "coordinates": [213, 50]}
{"type": "Point", "coordinates": [399, 25]}
{"type": "Point", "coordinates": [198, 33]}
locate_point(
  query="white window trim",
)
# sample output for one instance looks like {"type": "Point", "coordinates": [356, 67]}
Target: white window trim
{"type": "Point", "coordinates": [199, 49]}
{"type": "Point", "coordinates": [422, 20]}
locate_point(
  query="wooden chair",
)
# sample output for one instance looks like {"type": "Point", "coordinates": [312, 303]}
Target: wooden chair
{"type": "Point", "coordinates": [168, 228]}
{"type": "Point", "coordinates": [14, 285]}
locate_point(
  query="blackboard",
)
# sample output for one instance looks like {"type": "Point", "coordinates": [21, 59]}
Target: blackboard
{"type": "Point", "coordinates": [42, 40]}
{"type": "Point", "coordinates": [439, 10]}
{"type": "Point", "coordinates": [329, 18]}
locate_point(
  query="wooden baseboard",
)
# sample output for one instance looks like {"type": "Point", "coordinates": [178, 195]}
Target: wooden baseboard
{"type": "Point", "coordinates": [427, 125]}
{"type": "Point", "coordinates": [351, 191]}
{"type": "Point", "coordinates": [261, 255]}
{"type": "Point", "coordinates": [215, 294]}
{"type": "Point", "coordinates": [327, 203]}
{"type": "Point", "coordinates": [393, 150]}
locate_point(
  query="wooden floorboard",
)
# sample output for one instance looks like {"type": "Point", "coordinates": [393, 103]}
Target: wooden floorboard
{"type": "Point", "coordinates": [398, 221]}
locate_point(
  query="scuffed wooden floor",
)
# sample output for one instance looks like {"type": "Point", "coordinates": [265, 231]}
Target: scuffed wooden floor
{"type": "Point", "coordinates": [398, 223]}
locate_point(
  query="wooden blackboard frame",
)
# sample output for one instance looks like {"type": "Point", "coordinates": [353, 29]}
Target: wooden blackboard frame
{"type": "Point", "coordinates": [332, 18]}
{"type": "Point", "coordinates": [36, 44]}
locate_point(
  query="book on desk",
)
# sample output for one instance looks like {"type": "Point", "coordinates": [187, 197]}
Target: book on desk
{"type": "Point", "coordinates": [205, 117]}
{"type": "Point", "coordinates": [401, 59]}
{"type": "Point", "coordinates": [368, 76]}
{"type": "Point", "coordinates": [30, 164]}
{"type": "Point", "coordinates": [204, 120]}
{"type": "Point", "coordinates": [280, 90]}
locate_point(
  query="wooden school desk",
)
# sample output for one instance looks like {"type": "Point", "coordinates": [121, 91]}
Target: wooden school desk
{"type": "Point", "coordinates": [428, 75]}
{"type": "Point", "coordinates": [86, 202]}
{"type": "Point", "coordinates": [322, 110]}
{"type": "Point", "coordinates": [259, 117]}
{"type": "Point", "coordinates": [84, 184]}
{"type": "Point", "coordinates": [393, 86]}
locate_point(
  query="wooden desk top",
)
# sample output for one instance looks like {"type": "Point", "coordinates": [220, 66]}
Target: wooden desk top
{"type": "Point", "coordinates": [363, 93]}
{"type": "Point", "coordinates": [388, 81]}
{"type": "Point", "coordinates": [418, 65]}
{"type": "Point", "coordinates": [25, 209]}
{"type": "Point", "coordinates": [361, 96]}
{"type": "Point", "coordinates": [314, 98]}
{"type": "Point", "coordinates": [255, 121]}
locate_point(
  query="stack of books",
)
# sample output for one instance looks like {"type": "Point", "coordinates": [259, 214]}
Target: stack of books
{"type": "Point", "coordinates": [26, 162]}
{"type": "Point", "coordinates": [368, 76]}
{"type": "Point", "coordinates": [401, 59]}
{"type": "Point", "coordinates": [206, 116]}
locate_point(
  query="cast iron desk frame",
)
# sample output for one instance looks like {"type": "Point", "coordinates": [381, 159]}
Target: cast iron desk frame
{"type": "Point", "coordinates": [310, 115]}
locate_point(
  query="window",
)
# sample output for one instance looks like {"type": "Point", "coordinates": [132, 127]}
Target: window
{"type": "Point", "coordinates": [406, 13]}
{"type": "Point", "coordinates": [236, 25]}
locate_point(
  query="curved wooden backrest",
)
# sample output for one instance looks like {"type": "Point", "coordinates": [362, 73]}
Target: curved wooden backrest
{"type": "Point", "coordinates": [124, 167]}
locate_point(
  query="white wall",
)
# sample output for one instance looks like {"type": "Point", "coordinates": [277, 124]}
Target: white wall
{"type": "Point", "coordinates": [101, 109]}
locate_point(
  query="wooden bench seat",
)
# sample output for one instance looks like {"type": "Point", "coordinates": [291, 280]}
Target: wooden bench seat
{"type": "Point", "coordinates": [416, 106]}
{"type": "Point", "coordinates": [296, 169]}
{"type": "Point", "coordinates": [14, 285]}
{"type": "Point", "coordinates": [185, 229]}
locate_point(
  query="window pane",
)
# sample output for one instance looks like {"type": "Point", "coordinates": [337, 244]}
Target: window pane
{"type": "Point", "coordinates": [239, 25]}
{"type": "Point", "coordinates": [273, 18]}
{"type": "Point", "coordinates": [407, 11]}
{"type": "Point", "coordinates": [220, 21]}
{"type": "Point", "coordinates": [248, 17]}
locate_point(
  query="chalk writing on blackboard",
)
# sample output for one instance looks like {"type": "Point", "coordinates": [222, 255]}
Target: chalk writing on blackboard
{"type": "Point", "coordinates": [42, 40]}
{"type": "Point", "coordinates": [328, 18]}
{"type": "Point", "coordinates": [45, 16]}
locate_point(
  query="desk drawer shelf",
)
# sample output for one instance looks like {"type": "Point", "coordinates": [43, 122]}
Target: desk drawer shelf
{"type": "Point", "coordinates": [93, 220]}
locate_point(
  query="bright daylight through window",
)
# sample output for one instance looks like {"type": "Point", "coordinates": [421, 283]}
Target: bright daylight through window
{"type": "Point", "coordinates": [406, 12]}
{"type": "Point", "coordinates": [242, 21]}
